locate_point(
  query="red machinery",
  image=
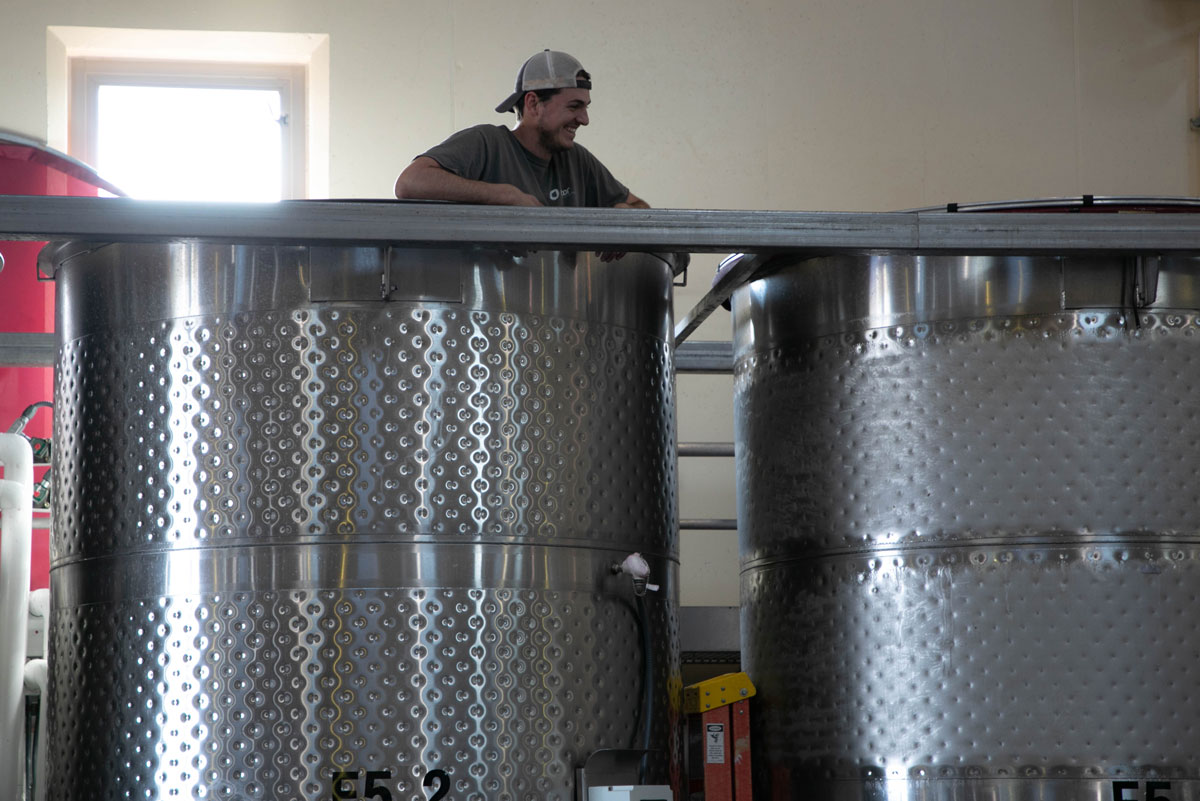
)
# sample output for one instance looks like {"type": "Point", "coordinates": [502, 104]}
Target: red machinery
{"type": "Point", "coordinates": [27, 304]}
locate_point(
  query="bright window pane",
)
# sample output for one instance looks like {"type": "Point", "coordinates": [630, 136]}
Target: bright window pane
{"type": "Point", "coordinates": [182, 143]}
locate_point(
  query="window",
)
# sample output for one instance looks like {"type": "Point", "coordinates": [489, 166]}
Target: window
{"type": "Point", "coordinates": [228, 68]}
{"type": "Point", "coordinates": [167, 130]}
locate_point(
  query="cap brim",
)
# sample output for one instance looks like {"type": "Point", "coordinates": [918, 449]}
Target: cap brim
{"type": "Point", "coordinates": [510, 102]}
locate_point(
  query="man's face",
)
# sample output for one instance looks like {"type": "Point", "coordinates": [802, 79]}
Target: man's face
{"type": "Point", "coordinates": [558, 118]}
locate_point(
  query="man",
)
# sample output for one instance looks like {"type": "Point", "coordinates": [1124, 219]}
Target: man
{"type": "Point", "coordinates": [536, 164]}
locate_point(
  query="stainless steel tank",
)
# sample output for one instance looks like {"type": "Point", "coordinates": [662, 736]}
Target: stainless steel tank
{"type": "Point", "coordinates": [342, 522]}
{"type": "Point", "coordinates": [969, 514]}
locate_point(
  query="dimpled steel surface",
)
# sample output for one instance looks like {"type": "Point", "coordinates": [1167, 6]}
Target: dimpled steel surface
{"type": "Point", "coordinates": [968, 519]}
{"type": "Point", "coordinates": [310, 543]}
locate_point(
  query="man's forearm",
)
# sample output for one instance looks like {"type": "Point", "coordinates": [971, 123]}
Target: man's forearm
{"type": "Point", "coordinates": [425, 180]}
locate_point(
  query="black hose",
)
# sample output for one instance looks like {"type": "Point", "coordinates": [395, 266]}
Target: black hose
{"type": "Point", "coordinates": [32, 706]}
{"type": "Point", "coordinates": [647, 711]}
{"type": "Point", "coordinates": [19, 424]}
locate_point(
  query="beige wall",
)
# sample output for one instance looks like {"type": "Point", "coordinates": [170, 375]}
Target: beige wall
{"type": "Point", "coordinates": [784, 104]}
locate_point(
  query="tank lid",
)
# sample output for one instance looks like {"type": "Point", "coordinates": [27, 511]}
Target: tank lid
{"type": "Point", "coordinates": [1095, 204]}
{"type": "Point", "coordinates": [19, 148]}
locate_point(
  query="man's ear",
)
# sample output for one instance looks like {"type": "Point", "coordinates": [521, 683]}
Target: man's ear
{"type": "Point", "coordinates": [526, 96]}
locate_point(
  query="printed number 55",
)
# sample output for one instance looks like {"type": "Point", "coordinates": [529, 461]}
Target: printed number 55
{"type": "Point", "coordinates": [344, 785]}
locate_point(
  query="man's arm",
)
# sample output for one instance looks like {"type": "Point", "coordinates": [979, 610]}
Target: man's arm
{"type": "Point", "coordinates": [425, 179]}
{"type": "Point", "coordinates": [632, 202]}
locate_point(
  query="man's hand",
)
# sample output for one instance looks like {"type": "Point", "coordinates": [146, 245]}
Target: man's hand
{"type": "Point", "coordinates": [512, 196]}
{"type": "Point", "coordinates": [632, 202]}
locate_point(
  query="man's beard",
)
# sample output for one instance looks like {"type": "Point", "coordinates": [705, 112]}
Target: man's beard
{"type": "Point", "coordinates": [548, 140]}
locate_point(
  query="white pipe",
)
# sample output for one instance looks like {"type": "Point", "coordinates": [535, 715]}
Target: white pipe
{"type": "Point", "coordinates": [16, 535]}
{"type": "Point", "coordinates": [37, 679]}
{"type": "Point", "coordinates": [39, 607]}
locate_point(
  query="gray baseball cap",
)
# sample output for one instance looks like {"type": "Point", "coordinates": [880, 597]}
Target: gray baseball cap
{"type": "Point", "coordinates": [549, 69]}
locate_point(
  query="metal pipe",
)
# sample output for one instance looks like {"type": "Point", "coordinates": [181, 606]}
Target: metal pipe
{"type": "Point", "coordinates": [706, 449]}
{"type": "Point", "coordinates": [708, 524]}
{"type": "Point", "coordinates": [16, 533]}
{"type": "Point", "coordinates": [691, 230]}
{"type": "Point", "coordinates": [21, 349]}
{"type": "Point", "coordinates": [714, 358]}
{"type": "Point", "coordinates": [452, 225]}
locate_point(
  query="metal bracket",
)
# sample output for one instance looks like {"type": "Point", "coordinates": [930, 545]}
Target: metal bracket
{"type": "Point", "coordinates": [382, 274]}
{"type": "Point", "coordinates": [1125, 283]}
{"type": "Point", "coordinates": [55, 254]}
{"type": "Point", "coordinates": [680, 277]}
{"type": "Point", "coordinates": [1145, 280]}
{"type": "Point", "coordinates": [612, 766]}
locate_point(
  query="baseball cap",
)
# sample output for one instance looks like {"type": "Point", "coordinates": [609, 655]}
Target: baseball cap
{"type": "Point", "coordinates": [549, 69]}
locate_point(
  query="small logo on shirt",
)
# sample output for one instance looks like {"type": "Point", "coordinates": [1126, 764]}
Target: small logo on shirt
{"type": "Point", "coordinates": [557, 193]}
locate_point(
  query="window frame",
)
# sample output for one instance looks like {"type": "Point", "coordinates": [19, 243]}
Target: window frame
{"type": "Point", "coordinates": [88, 74]}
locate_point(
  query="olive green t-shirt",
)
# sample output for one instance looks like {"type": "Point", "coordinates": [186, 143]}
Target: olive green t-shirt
{"type": "Point", "coordinates": [490, 153]}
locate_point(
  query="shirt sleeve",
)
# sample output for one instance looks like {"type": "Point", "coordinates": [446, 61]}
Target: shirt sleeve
{"type": "Point", "coordinates": [465, 154]}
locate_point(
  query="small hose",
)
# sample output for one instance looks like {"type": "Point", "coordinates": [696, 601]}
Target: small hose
{"type": "Point", "coordinates": [19, 424]}
{"type": "Point", "coordinates": [636, 567]}
{"type": "Point", "coordinates": [32, 744]}
{"type": "Point", "coordinates": [647, 707]}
